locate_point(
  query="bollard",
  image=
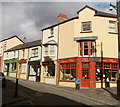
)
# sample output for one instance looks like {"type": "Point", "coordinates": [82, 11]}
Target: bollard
{"type": "Point", "coordinates": [16, 88]}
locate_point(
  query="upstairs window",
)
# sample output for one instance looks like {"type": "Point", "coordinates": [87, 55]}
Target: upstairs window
{"type": "Point", "coordinates": [46, 50]}
{"type": "Point", "coordinates": [52, 50]}
{"type": "Point", "coordinates": [112, 27]}
{"type": "Point", "coordinates": [87, 48]}
{"type": "Point", "coordinates": [35, 52]}
{"type": "Point", "coordinates": [51, 31]}
{"type": "Point", "coordinates": [86, 26]}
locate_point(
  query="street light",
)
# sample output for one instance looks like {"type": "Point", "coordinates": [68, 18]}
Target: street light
{"type": "Point", "coordinates": [117, 8]}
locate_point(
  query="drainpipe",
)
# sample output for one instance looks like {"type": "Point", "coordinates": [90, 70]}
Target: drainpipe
{"type": "Point", "coordinates": [57, 83]}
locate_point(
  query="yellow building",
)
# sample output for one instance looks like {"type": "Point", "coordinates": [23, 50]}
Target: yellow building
{"type": "Point", "coordinates": [7, 44]}
{"type": "Point", "coordinates": [87, 49]}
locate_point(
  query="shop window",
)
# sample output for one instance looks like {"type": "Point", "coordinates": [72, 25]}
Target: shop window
{"type": "Point", "coordinates": [114, 66]}
{"type": "Point", "coordinates": [52, 49]}
{"type": "Point", "coordinates": [85, 65]}
{"type": "Point", "coordinates": [87, 48]}
{"type": "Point", "coordinates": [33, 69]}
{"type": "Point", "coordinates": [86, 26]}
{"type": "Point", "coordinates": [6, 66]}
{"type": "Point", "coordinates": [112, 27]}
{"type": "Point", "coordinates": [14, 66]}
{"type": "Point", "coordinates": [114, 76]}
{"type": "Point", "coordinates": [51, 70]}
{"type": "Point", "coordinates": [68, 71]}
{"type": "Point", "coordinates": [35, 52]}
{"type": "Point", "coordinates": [98, 75]}
{"type": "Point", "coordinates": [106, 65]}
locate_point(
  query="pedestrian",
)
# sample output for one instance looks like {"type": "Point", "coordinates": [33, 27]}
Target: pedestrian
{"type": "Point", "coordinates": [108, 82]}
{"type": "Point", "coordinates": [78, 84]}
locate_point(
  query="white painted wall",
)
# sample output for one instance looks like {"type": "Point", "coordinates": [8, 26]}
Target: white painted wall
{"type": "Point", "coordinates": [46, 34]}
{"type": "Point", "coordinates": [39, 53]}
{"type": "Point", "coordinates": [10, 55]}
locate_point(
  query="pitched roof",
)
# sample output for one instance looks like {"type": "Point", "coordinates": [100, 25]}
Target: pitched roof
{"type": "Point", "coordinates": [99, 13]}
{"type": "Point", "coordinates": [12, 37]}
{"type": "Point", "coordinates": [60, 23]}
{"type": "Point", "coordinates": [25, 45]}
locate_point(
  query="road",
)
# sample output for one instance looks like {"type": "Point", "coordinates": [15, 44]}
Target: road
{"type": "Point", "coordinates": [34, 97]}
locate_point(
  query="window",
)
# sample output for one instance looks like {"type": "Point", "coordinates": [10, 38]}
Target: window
{"type": "Point", "coordinates": [114, 76]}
{"type": "Point", "coordinates": [87, 48]}
{"type": "Point", "coordinates": [23, 53]}
{"type": "Point", "coordinates": [85, 74]}
{"type": "Point", "coordinates": [14, 54]}
{"type": "Point", "coordinates": [35, 52]}
{"type": "Point", "coordinates": [24, 68]}
{"type": "Point", "coordinates": [98, 75]}
{"type": "Point", "coordinates": [46, 50]}
{"type": "Point", "coordinates": [51, 31]}
{"type": "Point", "coordinates": [52, 50]}
{"type": "Point", "coordinates": [33, 69]}
{"type": "Point", "coordinates": [85, 65]}
{"type": "Point", "coordinates": [14, 66]}
{"type": "Point", "coordinates": [68, 71]}
{"type": "Point", "coordinates": [112, 26]}
{"type": "Point", "coordinates": [86, 26]}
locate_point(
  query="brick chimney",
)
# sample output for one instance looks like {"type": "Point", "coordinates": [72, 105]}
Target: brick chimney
{"type": "Point", "coordinates": [62, 17]}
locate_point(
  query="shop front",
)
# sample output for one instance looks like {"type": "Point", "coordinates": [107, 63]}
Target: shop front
{"type": "Point", "coordinates": [10, 67]}
{"type": "Point", "coordinates": [22, 69]}
{"type": "Point", "coordinates": [34, 70]}
{"type": "Point", "coordinates": [88, 69]}
{"type": "Point", "coordinates": [49, 72]}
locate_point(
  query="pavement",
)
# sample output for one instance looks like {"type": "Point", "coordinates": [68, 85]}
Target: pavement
{"type": "Point", "coordinates": [98, 96]}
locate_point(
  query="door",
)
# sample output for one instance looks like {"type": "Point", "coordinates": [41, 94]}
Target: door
{"type": "Point", "coordinates": [85, 81]}
{"type": "Point", "coordinates": [38, 74]}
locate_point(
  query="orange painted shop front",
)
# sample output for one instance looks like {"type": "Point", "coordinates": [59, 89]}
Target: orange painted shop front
{"type": "Point", "coordinates": [87, 69]}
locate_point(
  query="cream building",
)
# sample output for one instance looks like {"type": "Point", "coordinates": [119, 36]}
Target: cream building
{"type": "Point", "coordinates": [7, 44]}
{"type": "Point", "coordinates": [87, 49]}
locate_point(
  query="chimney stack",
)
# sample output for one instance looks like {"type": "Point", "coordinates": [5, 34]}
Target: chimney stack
{"type": "Point", "coordinates": [62, 17]}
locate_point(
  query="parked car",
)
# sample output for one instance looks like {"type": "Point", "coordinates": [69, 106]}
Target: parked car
{"type": "Point", "coordinates": [2, 79]}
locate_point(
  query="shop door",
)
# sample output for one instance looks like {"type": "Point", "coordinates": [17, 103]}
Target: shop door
{"type": "Point", "coordinates": [38, 74]}
{"type": "Point", "coordinates": [85, 82]}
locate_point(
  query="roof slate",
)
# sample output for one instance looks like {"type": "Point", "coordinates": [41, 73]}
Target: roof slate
{"type": "Point", "coordinates": [25, 45]}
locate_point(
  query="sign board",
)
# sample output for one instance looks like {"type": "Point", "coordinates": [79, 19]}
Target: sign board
{"type": "Point", "coordinates": [48, 63]}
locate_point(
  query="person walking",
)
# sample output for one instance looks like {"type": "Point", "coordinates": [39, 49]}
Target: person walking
{"type": "Point", "coordinates": [78, 84]}
{"type": "Point", "coordinates": [108, 82]}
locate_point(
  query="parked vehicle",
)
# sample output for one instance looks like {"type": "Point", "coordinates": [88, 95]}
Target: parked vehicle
{"type": "Point", "coordinates": [2, 79]}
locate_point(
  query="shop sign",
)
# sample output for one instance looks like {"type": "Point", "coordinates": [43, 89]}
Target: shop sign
{"type": "Point", "coordinates": [48, 63]}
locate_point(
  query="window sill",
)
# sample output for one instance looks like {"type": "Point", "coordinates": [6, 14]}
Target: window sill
{"type": "Point", "coordinates": [33, 56]}
{"type": "Point", "coordinates": [112, 32]}
{"type": "Point", "coordinates": [50, 36]}
{"type": "Point", "coordinates": [66, 81]}
{"type": "Point", "coordinates": [86, 32]}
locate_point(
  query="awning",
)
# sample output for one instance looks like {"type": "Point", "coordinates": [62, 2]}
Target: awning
{"type": "Point", "coordinates": [89, 38]}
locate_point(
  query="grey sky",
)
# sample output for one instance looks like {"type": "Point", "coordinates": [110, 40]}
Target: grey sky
{"type": "Point", "coordinates": [26, 19]}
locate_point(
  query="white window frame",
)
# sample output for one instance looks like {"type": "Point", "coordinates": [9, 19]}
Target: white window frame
{"type": "Point", "coordinates": [83, 27]}
{"type": "Point", "coordinates": [52, 50]}
{"type": "Point", "coordinates": [112, 27]}
{"type": "Point", "coordinates": [34, 52]}
{"type": "Point", "coordinates": [46, 50]}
